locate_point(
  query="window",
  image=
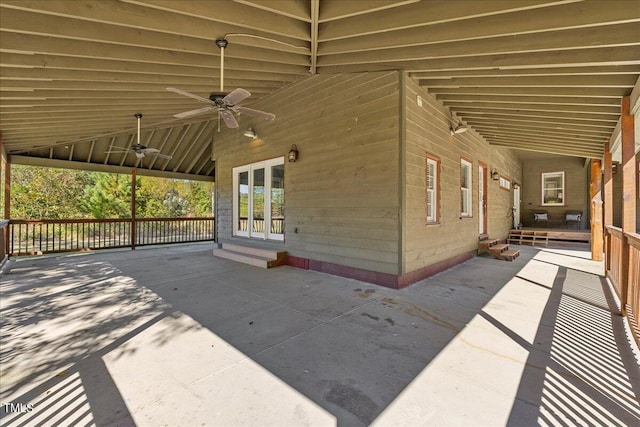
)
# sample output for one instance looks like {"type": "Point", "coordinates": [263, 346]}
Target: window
{"type": "Point", "coordinates": [432, 176]}
{"type": "Point", "coordinates": [258, 200]}
{"type": "Point", "coordinates": [553, 188]}
{"type": "Point", "coordinates": [465, 188]}
{"type": "Point", "coordinates": [505, 183]}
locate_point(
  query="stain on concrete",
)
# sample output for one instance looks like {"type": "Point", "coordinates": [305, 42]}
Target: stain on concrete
{"type": "Point", "coordinates": [390, 321]}
{"type": "Point", "coordinates": [364, 294]}
{"type": "Point", "coordinates": [416, 311]}
{"type": "Point", "coordinates": [370, 316]}
{"type": "Point", "coordinates": [353, 400]}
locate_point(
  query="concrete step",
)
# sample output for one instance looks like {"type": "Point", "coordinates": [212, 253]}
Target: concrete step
{"type": "Point", "coordinates": [265, 253]}
{"type": "Point", "coordinates": [263, 258]}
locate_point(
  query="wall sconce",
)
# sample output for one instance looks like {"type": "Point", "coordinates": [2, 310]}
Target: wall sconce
{"type": "Point", "coordinates": [293, 153]}
{"type": "Point", "coordinates": [250, 133]}
{"type": "Point", "coordinates": [459, 128]}
{"type": "Point", "coordinates": [495, 175]}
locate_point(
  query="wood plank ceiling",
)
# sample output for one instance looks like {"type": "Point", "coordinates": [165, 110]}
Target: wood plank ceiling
{"type": "Point", "coordinates": [540, 75]}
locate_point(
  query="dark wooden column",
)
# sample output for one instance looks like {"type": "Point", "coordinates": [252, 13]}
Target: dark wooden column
{"type": "Point", "coordinates": [595, 195]}
{"type": "Point", "coordinates": [7, 188]}
{"type": "Point", "coordinates": [628, 193]}
{"type": "Point", "coordinates": [608, 202]}
{"type": "Point", "coordinates": [133, 208]}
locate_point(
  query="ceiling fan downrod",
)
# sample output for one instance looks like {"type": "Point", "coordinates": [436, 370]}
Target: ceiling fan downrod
{"type": "Point", "coordinates": [221, 43]}
{"type": "Point", "coordinates": [138, 116]}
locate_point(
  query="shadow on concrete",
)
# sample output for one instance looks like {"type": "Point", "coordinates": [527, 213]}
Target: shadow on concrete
{"type": "Point", "coordinates": [348, 347]}
{"type": "Point", "coordinates": [580, 369]}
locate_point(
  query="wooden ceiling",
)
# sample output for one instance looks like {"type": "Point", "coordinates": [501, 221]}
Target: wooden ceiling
{"type": "Point", "coordinates": [540, 75]}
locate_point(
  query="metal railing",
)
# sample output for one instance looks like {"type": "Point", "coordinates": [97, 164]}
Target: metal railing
{"type": "Point", "coordinates": [33, 237]}
{"type": "Point", "coordinates": [623, 270]}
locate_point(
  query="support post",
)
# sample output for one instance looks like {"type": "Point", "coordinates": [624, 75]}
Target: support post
{"type": "Point", "coordinates": [628, 193]}
{"type": "Point", "coordinates": [595, 195]}
{"type": "Point", "coordinates": [133, 208]}
{"type": "Point", "coordinates": [608, 202]}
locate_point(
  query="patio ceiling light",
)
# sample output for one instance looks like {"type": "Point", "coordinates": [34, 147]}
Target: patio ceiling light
{"type": "Point", "coordinates": [250, 133]}
{"type": "Point", "coordinates": [459, 128]}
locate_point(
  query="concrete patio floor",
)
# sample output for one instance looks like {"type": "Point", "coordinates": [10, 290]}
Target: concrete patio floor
{"type": "Point", "coordinates": [173, 336]}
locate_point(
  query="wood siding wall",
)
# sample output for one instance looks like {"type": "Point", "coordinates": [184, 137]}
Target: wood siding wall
{"type": "Point", "coordinates": [576, 188]}
{"type": "Point", "coordinates": [342, 194]}
{"type": "Point", "coordinates": [427, 132]}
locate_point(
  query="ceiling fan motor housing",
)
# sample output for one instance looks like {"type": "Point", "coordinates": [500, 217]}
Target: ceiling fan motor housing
{"type": "Point", "coordinates": [217, 98]}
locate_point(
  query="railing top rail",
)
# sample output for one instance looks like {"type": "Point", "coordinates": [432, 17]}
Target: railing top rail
{"type": "Point", "coordinates": [103, 220]}
{"type": "Point", "coordinates": [195, 218]}
{"type": "Point", "coordinates": [616, 231]}
{"type": "Point", "coordinates": [633, 239]}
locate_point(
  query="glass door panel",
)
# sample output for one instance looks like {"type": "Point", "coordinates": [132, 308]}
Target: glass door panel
{"type": "Point", "coordinates": [243, 203]}
{"type": "Point", "coordinates": [258, 205]}
{"type": "Point", "coordinates": [276, 231]}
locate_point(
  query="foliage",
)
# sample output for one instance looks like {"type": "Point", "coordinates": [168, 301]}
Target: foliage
{"type": "Point", "coordinates": [46, 193]}
{"type": "Point", "coordinates": [51, 194]}
{"type": "Point", "coordinates": [109, 196]}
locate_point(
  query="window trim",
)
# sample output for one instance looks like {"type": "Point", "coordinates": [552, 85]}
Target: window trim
{"type": "Point", "coordinates": [563, 188]}
{"type": "Point", "coordinates": [469, 192]}
{"type": "Point", "coordinates": [507, 183]}
{"type": "Point", "coordinates": [435, 219]}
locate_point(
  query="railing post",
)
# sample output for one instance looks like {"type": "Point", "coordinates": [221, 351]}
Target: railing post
{"type": "Point", "coordinates": [628, 193]}
{"type": "Point", "coordinates": [595, 195]}
{"type": "Point", "coordinates": [133, 208]}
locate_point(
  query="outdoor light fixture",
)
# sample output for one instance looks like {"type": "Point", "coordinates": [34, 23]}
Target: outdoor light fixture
{"type": "Point", "coordinates": [250, 133]}
{"type": "Point", "coordinates": [459, 128]}
{"type": "Point", "coordinates": [495, 175]}
{"type": "Point", "coordinates": [293, 153]}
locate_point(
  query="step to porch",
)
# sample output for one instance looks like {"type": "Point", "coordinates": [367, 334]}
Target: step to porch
{"type": "Point", "coordinates": [497, 249]}
{"type": "Point", "coordinates": [263, 258]}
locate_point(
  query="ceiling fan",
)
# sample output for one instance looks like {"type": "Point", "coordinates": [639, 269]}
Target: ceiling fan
{"type": "Point", "coordinates": [224, 103]}
{"type": "Point", "coordinates": [138, 149]}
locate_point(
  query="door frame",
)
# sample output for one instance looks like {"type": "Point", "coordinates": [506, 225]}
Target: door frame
{"type": "Point", "coordinates": [483, 198]}
{"type": "Point", "coordinates": [250, 168]}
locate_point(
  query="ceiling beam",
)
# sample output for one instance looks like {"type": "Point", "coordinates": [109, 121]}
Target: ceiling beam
{"type": "Point", "coordinates": [315, 12]}
{"type": "Point", "coordinates": [589, 38]}
{"type": "Point", "coordinates": [65, 164]}
{"type": "Point", "coordinates": [572, 15]}
{"type": "Point", "coordinates": [420, 15]}
{"type": "Point", "coordinates": [625, 55]}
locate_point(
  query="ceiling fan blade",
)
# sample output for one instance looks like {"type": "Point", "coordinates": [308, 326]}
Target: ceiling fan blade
{"type": "Point", "coordinates": [236, 96]}
{"type": "Point", "coordinates": [189, 94]}
{"type": "Point", "coordinates": [228, 118]}
{"type": "Point", "coordinates": [154, 154]}
{"type": "Point", "coordinates": [256, 113]}
{"type": "Point", "coordinates": [193, 112]}
{"type": "Point", "coordinates": [150, 150]}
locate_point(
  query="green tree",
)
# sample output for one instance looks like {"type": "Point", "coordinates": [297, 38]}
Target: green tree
{"type": "Point", "coordinates": [108, 196]}
{"type": "Point", "coordinates": [47, 193]}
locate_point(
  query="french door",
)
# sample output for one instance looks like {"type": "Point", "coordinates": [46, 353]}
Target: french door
{"type": "Point", "coordinates": [258, 200]}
